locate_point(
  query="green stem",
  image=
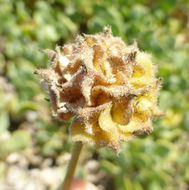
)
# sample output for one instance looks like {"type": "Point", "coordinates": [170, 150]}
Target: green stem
{"type": "Point", "coordinates": [72, 165]}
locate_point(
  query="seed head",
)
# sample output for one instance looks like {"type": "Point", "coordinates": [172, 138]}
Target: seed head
{"type": "Point", "coordinates": [109, 89]}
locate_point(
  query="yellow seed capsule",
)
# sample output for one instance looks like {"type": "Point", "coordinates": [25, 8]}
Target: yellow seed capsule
{"type": "Point", "coordinates": [110, 89]}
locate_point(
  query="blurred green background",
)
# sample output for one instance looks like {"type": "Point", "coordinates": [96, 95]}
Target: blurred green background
{"type": "Point", "coordinates": [34, 146]}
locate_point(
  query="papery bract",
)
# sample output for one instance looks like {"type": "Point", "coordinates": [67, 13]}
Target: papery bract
{"type": "Point", "coordinates": [110, 89]}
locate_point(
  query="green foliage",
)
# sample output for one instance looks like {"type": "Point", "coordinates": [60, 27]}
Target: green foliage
{"type": "Point", "coordinates": [158, 161]}
{"type": "Point", "coordinates": [18, 140]}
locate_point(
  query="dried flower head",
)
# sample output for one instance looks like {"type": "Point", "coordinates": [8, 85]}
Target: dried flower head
{"type": "Point", "coordinates": [109, 89]}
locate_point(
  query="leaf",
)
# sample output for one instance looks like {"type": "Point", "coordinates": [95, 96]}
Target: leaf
{"type": "Point", "coordinates": [4, 121]}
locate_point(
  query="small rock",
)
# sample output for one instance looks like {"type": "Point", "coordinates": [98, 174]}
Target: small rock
{"type": "Point", "coordinates": [46, 163]}
{"type": "Point", "coordinates": [35, 173]}
{"type": "Point", "coordinates": [92, 165]}
{"type": "Point", "coordinates": [6, 187]}
{"type": "Point", "coordinates": [31, 116]}
{"type": "Point", "coordinates": [19, 159]}
{"type": "Point", "coordinates": [63, 159]}
{"type": "Point", "coordinates": [30, 184]}
{"type": "Point", "coordinates": [35, 160]}
{"type": "Point", "coordinates": [5, 135]}
{"type": "Point", "coordinates": [16, 174]}
{"type": "Point", "coordinates": [51, 176]}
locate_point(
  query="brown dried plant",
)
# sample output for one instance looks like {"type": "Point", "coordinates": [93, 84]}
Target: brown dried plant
{"type": "Point", "coordinates": [110, 89]}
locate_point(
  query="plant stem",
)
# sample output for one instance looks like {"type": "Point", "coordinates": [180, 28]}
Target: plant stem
{"type": "Point", "coordinates": [72, 165]}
